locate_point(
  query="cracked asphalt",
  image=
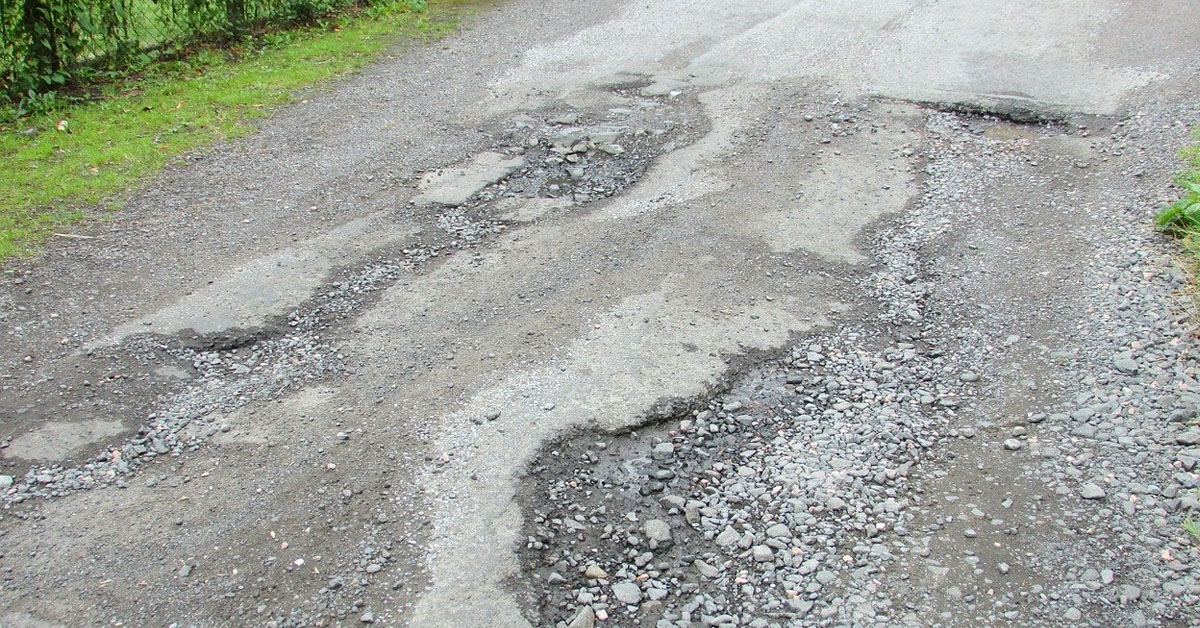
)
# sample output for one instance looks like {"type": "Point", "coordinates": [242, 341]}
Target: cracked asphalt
{"type": "Point", "coordinates": [637, 314]}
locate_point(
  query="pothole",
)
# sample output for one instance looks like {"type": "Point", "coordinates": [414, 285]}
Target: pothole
{"type": "Point", "coordinates": [572, 158]}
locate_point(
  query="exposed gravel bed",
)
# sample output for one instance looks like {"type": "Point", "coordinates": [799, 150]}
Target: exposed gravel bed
{"type": "Point", "coordinates": [959, 460]}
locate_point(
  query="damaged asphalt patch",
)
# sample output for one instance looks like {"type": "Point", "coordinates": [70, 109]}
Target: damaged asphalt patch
{"type": "Point", "coordinates": [636, 315]}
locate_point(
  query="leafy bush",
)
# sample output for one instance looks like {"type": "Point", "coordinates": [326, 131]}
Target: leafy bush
{"type": "Point", "coordinates": [48, 44]}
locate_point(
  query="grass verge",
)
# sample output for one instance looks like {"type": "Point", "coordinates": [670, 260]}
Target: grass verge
{"type": "Point", "coordinates": [1182, 218]}
{"type": "Point", "coordinates": [57, 164]}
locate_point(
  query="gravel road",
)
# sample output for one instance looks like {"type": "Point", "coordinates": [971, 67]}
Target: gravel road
{"type": "Point", "coordinates": [637, 314]}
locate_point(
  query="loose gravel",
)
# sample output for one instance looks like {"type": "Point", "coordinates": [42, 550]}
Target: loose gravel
{"type": "Point", "coordinates": [969, 456]}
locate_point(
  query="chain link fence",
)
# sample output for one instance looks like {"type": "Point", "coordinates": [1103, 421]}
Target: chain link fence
{"type": "Point", "coordinates": [46, 44]}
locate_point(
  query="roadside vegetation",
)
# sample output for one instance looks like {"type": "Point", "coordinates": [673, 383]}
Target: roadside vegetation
{"type": "Point", "coordinates": [62, 154]}
{"type": "Point", "coordinates": [1182, 218]}
{"type": "Point", "coordinates": [1192, 528]}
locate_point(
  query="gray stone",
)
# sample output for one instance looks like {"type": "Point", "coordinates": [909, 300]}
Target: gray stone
{"type": "Point", "coordinates": [1130, 593]}
{"type": "Point", "coordinates": [1190, 437]}
{"type": "Point", "coordinates": [728, 537]}
{"type": "Point", "coordinates": [1092, 491]}
{"type": "Point", "coordinates": [778, 530]}
{"type": "Point", "coordinates": [627, 593]}
{"type": "Point", "coordinates": [585, 618]}
{"type": "Point", "coordinates": [1126, 365]}
{"type": "Point", "coordinates": [705, 569]}
{"type": "Point", "coordinates": [658, 532]}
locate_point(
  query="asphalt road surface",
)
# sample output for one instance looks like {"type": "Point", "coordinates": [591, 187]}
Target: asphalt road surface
{"type": "Point", "coordinates": [666, 313]}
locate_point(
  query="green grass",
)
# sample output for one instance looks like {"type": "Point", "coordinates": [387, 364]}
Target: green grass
{"type": "Point", "coordinates": [112, 145]}
{"type": "Point", "coordinates": [1192, 528]}
{"type": "Point", "coordinates": [1182, 218]}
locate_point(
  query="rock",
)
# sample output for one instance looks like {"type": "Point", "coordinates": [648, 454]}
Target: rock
{"type": "Point", "coordinates": [1091, 491]}
{"type": "Point", "coordinates": [585, 618]}
{"type": "Point", "coordinates": [835, 503]}
{"type": "Point", "coordinates": [1130, 593]}
{"type": "Point", "coordinates": [762, 554]}
{"type": "Point", "coordinates": [594, 572]}
{"type": "Point", "coordinates": [778, 530]}
{"type": "Point", "coordinates": [367, 617]}
{"type": "Point", "coordinates": [1073, 614]}
{"type": "Point", "coordinates": [1013, 444]}
{"type": "Point", "coordinates": [662, 451]}
{"type": "Point", "coordinates": [5, 481]}
{"type": "Point", "coordinates": [185, 571]}
{"type": "Point", "coordinates": [705, 569]}
{"type": "Point", "coordinates": [968, 377]}
{"type": "Point", "coordinates": [627, 593]}
{"type": "Point", "coordinates": [658, 532]}
{"type": "Point", "coordinates": [1126, 364]}
{"type": "Point", "coordinates": [1190, 437]}
{"type": "Point", "coordinates": [672, 501]}
{"type": "Point", "coordinates": [727, 537]}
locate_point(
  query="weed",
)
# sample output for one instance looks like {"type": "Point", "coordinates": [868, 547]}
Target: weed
{"type": "Point", "coordinates": [1182, 218]}
{"type": "Point", "coordinates": [1192, 528]}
